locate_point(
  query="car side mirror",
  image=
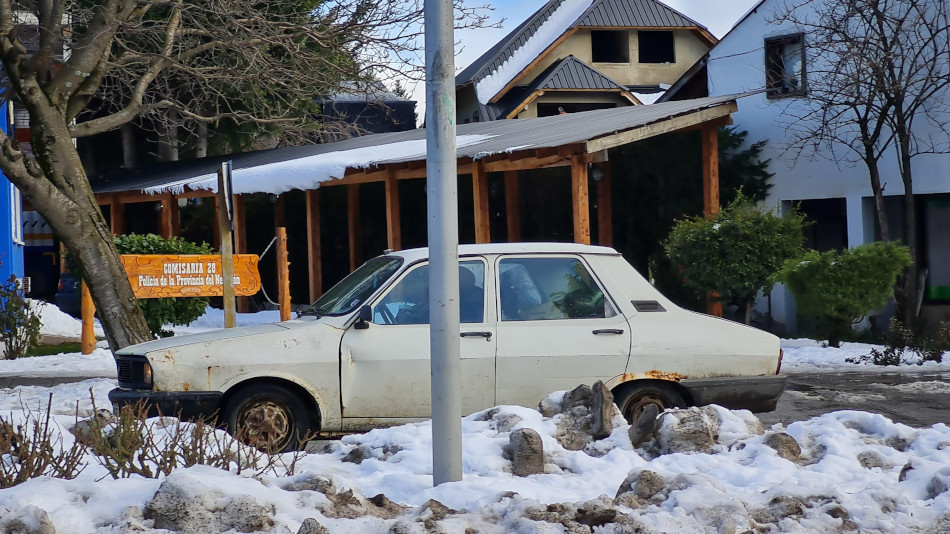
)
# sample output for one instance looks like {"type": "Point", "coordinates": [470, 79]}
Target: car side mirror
{"type": "Point", "coordinates": [364, 318]}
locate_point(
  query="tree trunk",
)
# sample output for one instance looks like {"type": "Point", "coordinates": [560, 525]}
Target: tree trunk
{"type": "Point", "coordinates": [907, 300]}
{"type": "Point", "coordinates": [128, 146]}
{"type": "Point", "coordinates": [201, 150]}
{"type": "Point", "coordinates": [60, 192]}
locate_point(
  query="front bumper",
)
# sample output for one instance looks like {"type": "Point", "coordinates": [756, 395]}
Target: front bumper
{"type": "Point", "coordinates": [186, 405]}
{"type": "Point", "coordinates": [754, 393]}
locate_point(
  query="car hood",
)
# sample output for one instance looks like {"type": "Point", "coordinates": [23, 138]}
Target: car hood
{"type": "Point", "coordinates": [203, 337]}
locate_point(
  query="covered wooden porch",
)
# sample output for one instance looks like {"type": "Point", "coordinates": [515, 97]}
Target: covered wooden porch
{"type": "Point", "coordinates": [580, 141]}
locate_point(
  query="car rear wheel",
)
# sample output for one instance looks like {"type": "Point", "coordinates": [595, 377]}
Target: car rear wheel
{"type": "Point", "coordinates": [268, 417]}
{"type": "Point", "coordinates": [633, 398]}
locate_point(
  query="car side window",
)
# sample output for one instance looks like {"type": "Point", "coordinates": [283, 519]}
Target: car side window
{"type": "Point", "coordinates": [537, 289]}
{"type": "Point", "coordinates": [408, 301]}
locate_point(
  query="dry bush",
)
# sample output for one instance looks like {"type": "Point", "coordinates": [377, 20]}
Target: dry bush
{"type": "Point", "coordinates": [31, 450]}
{"type": "Point", "coordinates": [134, 444]}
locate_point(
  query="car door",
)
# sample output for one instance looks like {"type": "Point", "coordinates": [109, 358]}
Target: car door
{"type": "Point", "coordinates": [384, 369]}
{"type": "Point", "coordinates": [557, 328]}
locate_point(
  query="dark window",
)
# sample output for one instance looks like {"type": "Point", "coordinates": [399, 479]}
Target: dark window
{"type": "Point", "coordinates": [829, 228]}
{"type": "Point", "coordinates": [408, 301]}
{"type": "Point", "coordinates": [656, 47]}
{"type": "Point", "coordinates": [609, 46]}
{"type": "Point", "coordinates": [785, 66]}
{"type": "Point", "coordinates": [546, 110]}
{"type": "Point", "coordinates": [936, 223]}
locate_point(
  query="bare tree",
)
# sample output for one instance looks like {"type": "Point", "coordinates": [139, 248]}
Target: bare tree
{"type": "Point", "coordinates": [95, 66]}
{"type": "Point", "coordinates": [878, 79]}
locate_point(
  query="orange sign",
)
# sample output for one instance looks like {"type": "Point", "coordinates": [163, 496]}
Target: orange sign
{"type": "Point", "coordinates": [188, 275]}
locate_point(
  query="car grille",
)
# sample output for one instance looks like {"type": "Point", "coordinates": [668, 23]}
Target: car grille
{"type": "Point", "coordinates": [130, 370]}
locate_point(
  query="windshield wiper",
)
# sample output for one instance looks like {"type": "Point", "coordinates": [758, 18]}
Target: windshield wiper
{"type": "Point", "coordinates": [311, 310]}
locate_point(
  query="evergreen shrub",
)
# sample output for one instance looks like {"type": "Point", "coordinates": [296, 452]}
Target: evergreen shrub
{"type": "Point", "coordinates": [841, 287]}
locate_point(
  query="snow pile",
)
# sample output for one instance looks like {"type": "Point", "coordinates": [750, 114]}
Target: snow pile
{"type": "Point", "coordinates": [55, 322]}
{"type": "Point", "coordinates": [549, 31]}
{"type": "Point", "coordinates": [844, 471]}
{"type": "Point", "coordinates": [808, 355]}
{"type": "Point", "coordinates": [309, 172]}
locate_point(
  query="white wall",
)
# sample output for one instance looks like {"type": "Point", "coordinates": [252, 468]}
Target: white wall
{"type": "Point", "coordinates": [737, 64]}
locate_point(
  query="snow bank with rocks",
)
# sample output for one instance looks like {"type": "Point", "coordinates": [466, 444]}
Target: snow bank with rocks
{"type": "Point", "coordinates": [704, 470]}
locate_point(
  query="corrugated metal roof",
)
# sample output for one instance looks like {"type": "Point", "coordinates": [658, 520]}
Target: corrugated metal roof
{"type": "Point", "coordinates": [500, 137]}
{"type": "Point", "coordinates": [634, 13]}
{"type": "Point", "coordinates": [572, 73]}
{"type": "Point", "coordinates": [602, 13]}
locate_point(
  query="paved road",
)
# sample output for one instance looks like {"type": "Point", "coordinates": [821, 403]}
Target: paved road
{"type": "Point", "coordinates": [913, 398]}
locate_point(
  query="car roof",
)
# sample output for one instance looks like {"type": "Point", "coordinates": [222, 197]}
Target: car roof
{"type": "Point", "coordinates": [416, 254]}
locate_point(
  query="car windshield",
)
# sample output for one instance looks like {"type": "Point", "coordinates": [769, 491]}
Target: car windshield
{"type": "Point", "coordinates": [358, 286]}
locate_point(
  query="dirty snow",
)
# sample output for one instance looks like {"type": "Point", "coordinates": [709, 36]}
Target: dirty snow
{"type": "Point", "coordinates": [310, 171]}
{"type": "Point", "coordinates": [808, 355]}
{"type": "Point", "coordinates": [555, 26]}
{"type": "Point", "coordinates": [857, 471]}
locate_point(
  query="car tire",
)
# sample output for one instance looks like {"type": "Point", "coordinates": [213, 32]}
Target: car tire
{"type": "Point", "coordinates": [269, 417]}
{"type": "Point", "coordinates": [632, 398]}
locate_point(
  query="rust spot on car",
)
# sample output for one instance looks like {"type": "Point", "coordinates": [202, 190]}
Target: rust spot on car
{"type": "Point", "coordinates": [654, 374]}
{"type": "Point", "coordinates": [186, 386]}
{"type": "Point", "coordinates": [169, 355]}
{"type": "Point", "coordinates": [662, 375]}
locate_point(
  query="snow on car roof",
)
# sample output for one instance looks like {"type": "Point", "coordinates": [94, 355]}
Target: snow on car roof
{"type": "Point", "coordinates": [416, 254]}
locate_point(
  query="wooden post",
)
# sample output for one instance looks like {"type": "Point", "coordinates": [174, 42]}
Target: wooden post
{"type": "Point", "coordinates": [170, 218]}
{"type": "Point", "coordinates": [352, 223]}
{"type": "Point", "coordinates": [580, 197]}
{"type": "Point", "coordinates": [480, 201]}
{"type": "Point", "coordinates": [279, 210]}
{"type": "Point", "coordinates": [216, 224]}
{"type": "Point", "coordinates": [315, 265]}
{"type": "Point", "coordinates": [283, 275]}
{"type": "Point", "coordinates": [512, 206]}
{"type": "Point", "coordinates": [227, 250]}
{"type": "Point", "coordinates": [710, 142]}
{"type": "Point", "coordinates": [710, 171]}
{"type": "Point", "coordinates": [88, 312]}
{"type": "Point", "coordinates": [240, 245]}
{"type": "Point", "coordinates": [116, 215]}
{"type": "Point", "coordinates": [605, 224]}
{"type": "Point", "coordinates": [393, 231]}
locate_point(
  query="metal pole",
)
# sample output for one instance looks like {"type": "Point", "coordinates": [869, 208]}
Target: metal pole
{"type": "Point", "coordinates": [442, 214]}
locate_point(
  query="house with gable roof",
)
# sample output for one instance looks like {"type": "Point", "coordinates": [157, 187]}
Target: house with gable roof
{"type": "Point", "coordinates": [769, 61]}
{"type": "Point", "coordinates": [581, 55]}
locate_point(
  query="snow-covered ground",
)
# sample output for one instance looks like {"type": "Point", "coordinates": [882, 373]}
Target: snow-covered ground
{"type": "Point", "coordinates": [856, 472]}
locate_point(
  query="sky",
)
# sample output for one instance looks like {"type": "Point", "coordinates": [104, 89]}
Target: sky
{"type": "Point", "coordinates": [718, 16]}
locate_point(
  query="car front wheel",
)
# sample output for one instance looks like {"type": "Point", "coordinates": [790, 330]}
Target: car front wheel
{"type": "Point", "coordinates": [633, 398]}
{"type": "Point", "coordinates": [268, 417]}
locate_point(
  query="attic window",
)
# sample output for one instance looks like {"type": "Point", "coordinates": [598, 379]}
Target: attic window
{"type": "Point", "coordinates": [656, 46]}
{"type": "Point", "coordinates": [609, 46]}
{"type": "Point", "coordinates": [785, 66]}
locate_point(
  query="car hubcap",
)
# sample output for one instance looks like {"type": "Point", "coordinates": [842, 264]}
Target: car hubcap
{"type": "Point", "coordinates": [265, 424]}
{"type": "Point", "coordinates": [635, 407]}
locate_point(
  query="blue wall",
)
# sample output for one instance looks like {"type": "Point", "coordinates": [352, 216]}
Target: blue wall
{"type": "Point", "coordinates": [11, 217]}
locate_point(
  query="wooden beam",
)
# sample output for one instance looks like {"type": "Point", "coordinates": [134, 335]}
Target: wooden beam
{"type": "Point", "coordinates": [353, 223]}
{"type": "Point", "coordinates": [710, 144]}
{"type": "Point", "coordinates": [480, 201]}
{"type": "Point", "coordinates": [715, 123]}
{"type": "Point", "coordinates": [283, 275]}
{"type": "Point", "coordinates": [216, 235]}
{"type": "Point", "coordinates": [512, 206]}
{"type": "Point", "coordinates": [240, 244]}
{"type": "Point", "coordinates": [393, 231]}
{"type": "Point", "coordinates": [581, 202]}
{"type": "Point", "coordinates": [710, 172]}
{"type": "Point", "coordinates": [315, 263]}
{"type": "Point", "coordinates": [116, 215]}
{"type": "Point", "coordinates": [660, 128]}
{"type": "Point", "coordinates": [169, 216]}
{"type": "Point", "coordinates": [605, 228]}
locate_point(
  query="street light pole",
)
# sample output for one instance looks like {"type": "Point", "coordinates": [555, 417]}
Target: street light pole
{"type": "Point", "coordinates": [442, 215]}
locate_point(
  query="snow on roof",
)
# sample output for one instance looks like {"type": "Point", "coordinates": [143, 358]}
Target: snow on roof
{"type": "Point", "coordinates": [308, 172]}
{"type": "Point", "coordinates": [648, 98]}
{"type": "Point", "coordinates": [555, 26]}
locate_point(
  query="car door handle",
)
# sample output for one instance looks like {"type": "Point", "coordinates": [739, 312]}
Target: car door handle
{"type": "Point", "coordinates": [609, 331]}
{"type": "Point", "coordinates": [486, 335]}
